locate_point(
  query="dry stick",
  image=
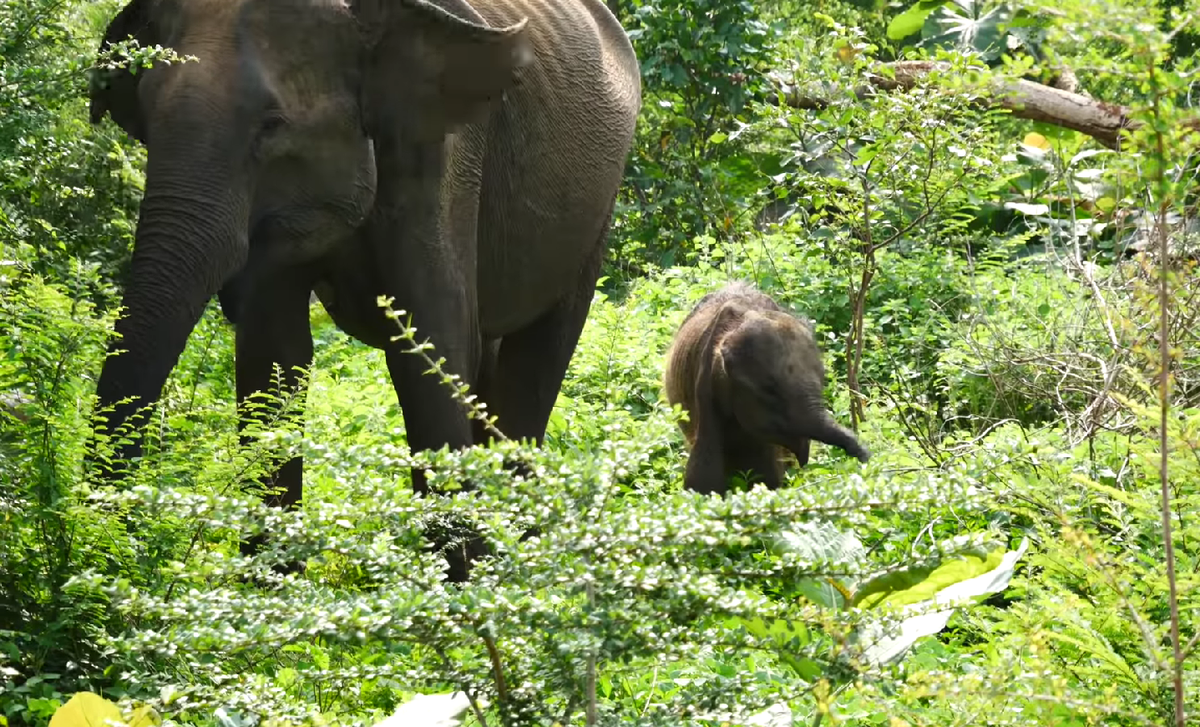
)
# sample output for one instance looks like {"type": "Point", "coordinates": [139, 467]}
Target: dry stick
{"type": "Point", "coordinates": [1164, 408]}
{"type": "Point", "coordinates": [1164, 405]}
{"type": "Point", "coordinates": [497, 668]}
{"type": "Point", "coordinates": [590, 685]}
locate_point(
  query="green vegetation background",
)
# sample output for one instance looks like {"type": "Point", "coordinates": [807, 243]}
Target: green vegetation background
{"type": "Point", "coordinates": [977, 280]}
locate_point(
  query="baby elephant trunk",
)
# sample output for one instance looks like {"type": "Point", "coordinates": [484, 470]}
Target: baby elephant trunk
{"type": "Point", "coordinates": [830, 432]}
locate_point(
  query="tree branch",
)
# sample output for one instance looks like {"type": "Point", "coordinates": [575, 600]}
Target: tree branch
{"type": "Point", "coordinates": [1025, 99]}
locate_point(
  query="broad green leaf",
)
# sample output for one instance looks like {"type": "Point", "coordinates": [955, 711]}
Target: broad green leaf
{"type": "Point", "coordinates": [919, 583]}
{"type": "Point", "coordinates": [910, 21]}
{"type": "Point", "coordinates": [962, 26]}
{"type": "Point", "coordinates": [86, 710]}
{"type": "Point", "coordinates": [931, 616]}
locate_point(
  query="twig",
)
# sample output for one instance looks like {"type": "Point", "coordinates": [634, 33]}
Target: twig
{"type": "Point", "coordinates": [590, 677]}
{"type": "Point", "coordinates": [1164, 403]}
{"type": "Point", "coordinates": [474, 409]}
{"type": "Point", "coordinates": [497, 668]}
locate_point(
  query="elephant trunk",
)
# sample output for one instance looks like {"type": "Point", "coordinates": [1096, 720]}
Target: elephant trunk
{"type": "Point", "coordinates": [830, 432]}
{"type": "Point", "coordinates": [191, 237]}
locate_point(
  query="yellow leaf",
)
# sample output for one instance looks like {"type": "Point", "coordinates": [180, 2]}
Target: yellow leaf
{"type": "Point", "coordinates": [1036, 140]}
{"type": "Point", "coordinates": [86, 710]}
{"type": "Point", "coordinates": [846, 53]}
{"type": "Point", "coordinates": [144, 716]}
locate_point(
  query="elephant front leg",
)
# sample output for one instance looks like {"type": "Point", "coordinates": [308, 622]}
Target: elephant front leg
{"type": "Point", "coordinates": [273, 331]}
{"type": "Point", "coordinates": [433, 418]}
{"type": "Point", "coordinates": [801, 448]}
{"type": "Point", "coordinates": [758, 461]}
{"type": "Point", "coordinates": [429, 272]}
{"type": "Point", "coordinates": [423, 246]}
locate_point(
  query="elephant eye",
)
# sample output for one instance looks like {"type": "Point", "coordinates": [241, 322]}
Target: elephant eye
{"type": "Point", "coordinates": [272, 123]}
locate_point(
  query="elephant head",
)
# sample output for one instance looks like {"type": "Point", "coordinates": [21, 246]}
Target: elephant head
{"type": "Point", "coordinates": [259, 155]}
{"type": "Point", "coordinates": [768, 373]}
{"type": "Point", "coordinates": [751, 378]}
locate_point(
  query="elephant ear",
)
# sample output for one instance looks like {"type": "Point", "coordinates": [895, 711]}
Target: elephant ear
{"type": "Point", "coordinates": [430, 67]}
{"type": "Point", "coordinates": [706, 461]}
{"type": "Point", "coordinates": [114, 91]}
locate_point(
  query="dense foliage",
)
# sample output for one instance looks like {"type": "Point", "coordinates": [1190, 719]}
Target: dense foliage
{"type": "Point", "coordinates": [991, 297]}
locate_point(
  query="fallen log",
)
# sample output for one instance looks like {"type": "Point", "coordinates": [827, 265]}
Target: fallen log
{"type": "Point", "coordinates": [1100, 120]}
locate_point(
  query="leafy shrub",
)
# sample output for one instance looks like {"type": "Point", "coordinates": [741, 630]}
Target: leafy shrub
{"type": "Point", "coordinates": [702, 62]}
{"type": "Point", "coordinates": [67, 187]}
{"type": "Point", "coordinates": [47, 629]}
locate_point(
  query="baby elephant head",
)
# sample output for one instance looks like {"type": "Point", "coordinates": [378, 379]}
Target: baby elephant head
{"type": "Point", "coordinates": [751, 378]}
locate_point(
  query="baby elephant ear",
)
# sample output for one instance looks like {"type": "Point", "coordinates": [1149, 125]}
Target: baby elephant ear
{"type": "Point", "coordinates": [432, 66]}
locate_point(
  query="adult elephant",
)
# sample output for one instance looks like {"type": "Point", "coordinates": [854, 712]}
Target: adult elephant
{"type": "Point", "coordinates": [462, 158]}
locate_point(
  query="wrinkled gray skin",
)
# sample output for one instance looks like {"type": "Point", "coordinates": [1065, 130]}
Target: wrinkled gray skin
{"type": "Point", "coordinates": [461, 158]}
{"type": "Point", "coordinates": [751, 378]}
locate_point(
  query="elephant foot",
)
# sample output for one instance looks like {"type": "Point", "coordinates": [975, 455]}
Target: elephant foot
{"type": "Point", "coordinates": [251, 546]}
{"type": "Point", "coordinates": [459, 544]}
{"type": "Point", "coordinates": [518, 468]}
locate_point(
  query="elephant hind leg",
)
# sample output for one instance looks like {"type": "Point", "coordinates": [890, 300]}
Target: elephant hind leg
{"type": "Point", "coordinates": [523, 383]}
{"type": "Point", "coordinates": [487, 372]}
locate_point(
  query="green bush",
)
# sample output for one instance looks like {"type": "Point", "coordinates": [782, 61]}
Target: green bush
{"type": "Point", "coordinates": [67, 187]}
{"type": "Point", "coordinates": [690, 171]}
{"type": "Point", "coordinates": [1007, 386]}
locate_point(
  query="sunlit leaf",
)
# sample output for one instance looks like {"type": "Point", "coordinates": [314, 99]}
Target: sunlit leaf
{"type": "Point", "coordinates": [1037, 140]}
{"type": "Point", "coordinates": [918, 583]}
{"type": "Point", "coordinates": [928, 618]}
{"type": "Point", "coordinates": [1027, 208]}
{"type": "Point", "coordinates": [911, 20]}
{"type": "Point", "coordinates": [430, 710]}
{"type": "Point", "coordinates": [86, 709]}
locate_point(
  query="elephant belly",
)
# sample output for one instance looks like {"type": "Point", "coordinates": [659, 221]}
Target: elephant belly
{"type": "Point", "coordinates": [348, 290]}
{"type": "Point", "coordinates": [523, 277]}
{"type": "Point", "coordinates": [546, 198]}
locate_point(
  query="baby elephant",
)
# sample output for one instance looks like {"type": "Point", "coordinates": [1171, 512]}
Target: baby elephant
{"type": "Point", "coordinates": [751, 378]}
